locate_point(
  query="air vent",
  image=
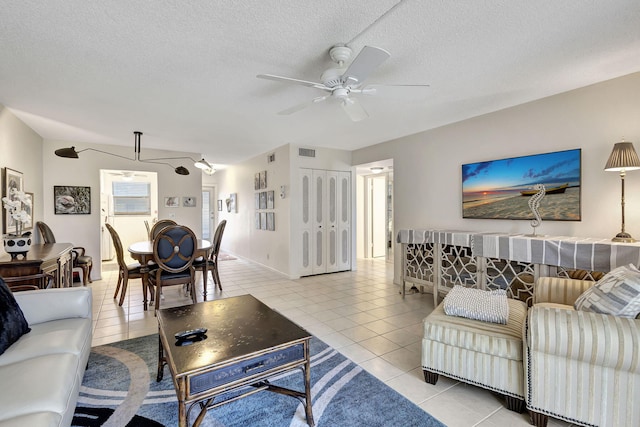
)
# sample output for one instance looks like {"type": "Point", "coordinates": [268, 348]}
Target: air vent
{"type": "Point", "coordinates": [271, 158]}
{"type": "Point", "coordinates": [306, 152]}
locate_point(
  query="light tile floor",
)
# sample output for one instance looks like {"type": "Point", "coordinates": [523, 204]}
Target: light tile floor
{"type": "Point", "coordinates": [360, 313]}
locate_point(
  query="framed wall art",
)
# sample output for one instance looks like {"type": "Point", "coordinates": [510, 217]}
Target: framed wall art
{"type": "Point", "coordinates": [270, 199]}
{"type": "Point", "coordinates": [501, 189]}
{"type": "Point", "coordinates": [172, 202]}
{"type": "Point", "coordinates": [71, 200]}
{"type": "Point", "coordinates": [263, 179]}
{"type": "Point", "coordinates": [12, 180]}
{"type": "Point", "coordinates": [189, 202]}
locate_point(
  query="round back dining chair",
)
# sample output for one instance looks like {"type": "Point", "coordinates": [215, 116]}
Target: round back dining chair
{"type": "Point", "coordinates": [212, 261]}
{"type": "Point", "coordinates": [174, 249]}
{"type": "Point", "coordinates": [159, 225]}
{"type": "Point", "coordinates": [125, 271]}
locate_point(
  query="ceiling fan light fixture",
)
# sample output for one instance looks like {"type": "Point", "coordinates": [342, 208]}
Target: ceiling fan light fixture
{"type": "Point", "coordinates": [68, 152]}
{"type": "Point", "coordinates": [203, 164]}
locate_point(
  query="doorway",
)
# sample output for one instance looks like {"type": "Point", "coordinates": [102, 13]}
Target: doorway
{"type": "Point", "coordinates": [374, 203]}
{"type": "Point", "coordinates": [209, 212]}
{"type": "Point", "coordinates": [127, 200]}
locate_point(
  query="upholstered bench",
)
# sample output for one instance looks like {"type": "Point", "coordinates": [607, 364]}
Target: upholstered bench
{"type": "Point", "coordinates": [484, 354]}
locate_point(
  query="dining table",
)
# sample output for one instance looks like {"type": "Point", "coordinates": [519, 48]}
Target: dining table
{"type": "Point", "coordinates": [143, 253]}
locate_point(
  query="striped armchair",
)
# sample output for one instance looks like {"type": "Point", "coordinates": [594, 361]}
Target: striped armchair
{"type": "Point", "coordinates": [581, 367]}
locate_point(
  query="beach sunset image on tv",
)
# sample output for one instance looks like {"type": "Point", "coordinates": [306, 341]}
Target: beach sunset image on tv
{"type": "Point", "coordinates": [500, 189]}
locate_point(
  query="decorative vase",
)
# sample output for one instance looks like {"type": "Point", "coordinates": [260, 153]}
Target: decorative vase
{"type": "Point", "coordinates": [17, 245]}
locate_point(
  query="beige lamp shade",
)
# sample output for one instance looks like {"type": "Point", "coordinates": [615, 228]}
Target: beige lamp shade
{"type": "Point", "coordinates": [623, 158]}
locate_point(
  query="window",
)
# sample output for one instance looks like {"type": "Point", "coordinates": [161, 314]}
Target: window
{"type": "Point", "coordinates": [131, 198]}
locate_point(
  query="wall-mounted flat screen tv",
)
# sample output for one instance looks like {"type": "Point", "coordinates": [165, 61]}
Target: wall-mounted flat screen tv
{"type": "Point", "coordinates": [501, 189]}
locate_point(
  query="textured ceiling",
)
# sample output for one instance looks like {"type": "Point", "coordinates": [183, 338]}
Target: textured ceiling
{"type": "Point", "coordinates": [184, 72]}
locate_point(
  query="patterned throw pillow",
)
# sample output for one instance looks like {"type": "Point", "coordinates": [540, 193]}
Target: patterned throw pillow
{"type": "Point", "coordinates": [477, 304]}
{"type": "Point", "coordinates": [13, 325]}
{"type": "Point", "coordinates": [617, 293]}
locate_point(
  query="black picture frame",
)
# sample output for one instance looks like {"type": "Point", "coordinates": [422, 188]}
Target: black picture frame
{"type": "Point", "coordinates": [71, 200]}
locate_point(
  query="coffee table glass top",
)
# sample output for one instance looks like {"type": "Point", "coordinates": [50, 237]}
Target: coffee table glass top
{"type": "Point", "coordinates": [237, 326]}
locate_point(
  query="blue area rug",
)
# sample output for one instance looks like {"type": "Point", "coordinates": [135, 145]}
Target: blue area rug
{"type": "Point", "coordinates": [119, 389]}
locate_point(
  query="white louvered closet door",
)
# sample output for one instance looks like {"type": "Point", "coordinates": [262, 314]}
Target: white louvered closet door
{"type": "Point", "coordinates": [305, 230]}
{"type": "Point", "coordinates": [325, 222]}
{"type": "Point", "coordinates": [318, 220]}
{"type": "Point", "coordinates": [344, 221]}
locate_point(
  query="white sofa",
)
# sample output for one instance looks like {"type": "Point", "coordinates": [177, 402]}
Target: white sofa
{"type": "Point", "coordinates": [41, 373]}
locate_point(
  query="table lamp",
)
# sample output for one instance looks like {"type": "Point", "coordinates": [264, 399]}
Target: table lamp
{"type": "Point", "coordinates": [623, 158]}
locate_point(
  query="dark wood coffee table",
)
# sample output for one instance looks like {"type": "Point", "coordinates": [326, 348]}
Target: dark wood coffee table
{"type": "Point", "coordinates": [246, 344]}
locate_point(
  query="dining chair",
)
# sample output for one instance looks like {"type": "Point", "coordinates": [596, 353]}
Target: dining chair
{"type": "Point", "coordinates": [79, 259]}
{"type": "Point", "coordinates": [159, 225]}
{"type": "Point", "coordinates": [146, 224]}
{"type": "Point", "coordinates": [29, 283]}
{"type": "Point", "coordinates": [174, 249]}
{"type": "Point", "coordinates": [125, 271]}
{"type": "Point", "coordinates": [212, 261]}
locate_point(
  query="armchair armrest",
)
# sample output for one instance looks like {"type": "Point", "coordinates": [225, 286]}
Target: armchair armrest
{"type": "Point", "coordinates": [54, 304]}
{"type": "Point", "coordinates": [596, 339]}
{"type": "Point", "coordinates": [559, 290]}
{"type": "Point", "coordinates": [79, 250]}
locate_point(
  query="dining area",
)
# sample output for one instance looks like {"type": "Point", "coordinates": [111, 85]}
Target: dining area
{"type": "Point", "coordinates": [170, 255]}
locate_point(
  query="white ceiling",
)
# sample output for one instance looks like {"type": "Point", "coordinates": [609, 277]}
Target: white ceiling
{"type": "Point", "coordinates": [184, 72]}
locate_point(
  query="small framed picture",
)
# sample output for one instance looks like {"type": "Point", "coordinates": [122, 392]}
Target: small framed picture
{"type": "Point", "coordinates": [257, 196]}
{"type": "Point", "coordinates": [219, 205]}
{"type": "Point", "coordinates": [270, 199]}
{"type": "Point", "coordinates": [257, 220]}
{"type": "Point", "coordinates": [263, 220]}
{"type": "Point", "coordinates": [71, 200]}
{"type": "Point", "coordinates": [256, 181]}
{"type": "Point", "coordinates": [263, 180]}
{"type": "Point", "coordinates": [263, 200]}
{"type": "Point", "coordinates": [172, 202]}
{"type": "Point", "coordinates": [271, 221]}
{"type": "Point", "coordinates": [189, 202]}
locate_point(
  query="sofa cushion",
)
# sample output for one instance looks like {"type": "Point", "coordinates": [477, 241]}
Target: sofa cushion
{"type": "Point", "coordinates": [478, 304]}
{"type": "Point", "coordinates": [48, 383]}
{"type": "Point", "coordinates": [14, 325]}
{"type": "Point", "coordinates": [495, 339]}
{"type": "Point", "coordinates": [617, 293]}
{"type": "Point", "coordinates": [58, 336]}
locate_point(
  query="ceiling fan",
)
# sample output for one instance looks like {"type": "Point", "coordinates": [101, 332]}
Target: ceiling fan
{"type": "Point", "coordinates": [342, 82]}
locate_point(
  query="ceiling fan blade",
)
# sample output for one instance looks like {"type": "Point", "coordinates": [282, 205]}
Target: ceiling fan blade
{"type": "Point", "coordinates": [294, 81]}
{"type": "Point", "coordinates": [354, 109]}
{"type": "Point", "coordinates": [364, 64]}
{"type": "Point", "coordinates": [302, 106]}
{"type": "Point", "coordinates": [398, 91]}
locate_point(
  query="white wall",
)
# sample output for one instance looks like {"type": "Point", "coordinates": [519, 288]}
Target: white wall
{"type": "Point", "coordinates": [21, 150]}
{"type": "Point", "coordinates": [84, 230]}
{"type": "Point", "coordinates": [427, 166]}
{"type": "Point", "coordinates": [269, 248]}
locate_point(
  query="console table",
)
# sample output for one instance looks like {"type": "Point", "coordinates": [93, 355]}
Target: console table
{"type": "Point", "coordinates": [50, 258]}
{"type": "Point", "coordinates": [444, 258]}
